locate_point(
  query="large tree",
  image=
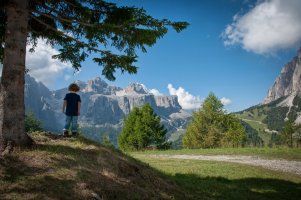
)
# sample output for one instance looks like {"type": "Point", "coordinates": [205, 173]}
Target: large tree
{"type": "Point", "coordinates": [142, 129]}
{"type": "Point", "coordinates": [77, 28]}
{"type": "Point", "coordinates": [212, 127]}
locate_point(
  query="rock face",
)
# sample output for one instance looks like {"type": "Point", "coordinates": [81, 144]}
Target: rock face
{"type": "Point", "coordinates": [103, 106]}
{"type": "Point", "coordinates": [39, 101]}
{"type": "Point", "coordinates": [288, 82]}
{"type": "Point", "coordinates": [283, 100]}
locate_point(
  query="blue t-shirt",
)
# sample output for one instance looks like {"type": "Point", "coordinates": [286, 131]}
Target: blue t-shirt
{"type": "Point", "coordinates": [72, 104]}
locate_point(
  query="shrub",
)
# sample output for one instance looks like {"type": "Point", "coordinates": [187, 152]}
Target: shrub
{"type": "Point", "coordinates": [31, 123]}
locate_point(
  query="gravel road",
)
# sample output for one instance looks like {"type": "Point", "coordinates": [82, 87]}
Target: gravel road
{"type": "Point", "coordinates": [277, 165]}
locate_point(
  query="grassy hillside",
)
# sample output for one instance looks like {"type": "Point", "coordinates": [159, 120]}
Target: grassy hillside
{"type": "Point", "coordinates": [269, 117]}
{"type": "Point", "coordinates": [76, 168]}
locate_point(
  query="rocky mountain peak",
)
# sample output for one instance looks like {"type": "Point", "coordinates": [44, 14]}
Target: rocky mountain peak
{"type": "Point", "coordinates": [136, 88]}
{"type": "Point", "coordinates": [96, 85]}
{"type": "Point", "coordinates": [288, 82]}
{"type": "Point", "coordinates": [81, 84]}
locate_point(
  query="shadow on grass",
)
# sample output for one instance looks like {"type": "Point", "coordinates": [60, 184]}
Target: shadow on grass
{"type": "Point", "coordinates": [20, 181]}
{"type": "Point", "coordinates": [45, 187]}
{"type": "Point", "coordinates": [248, 188]}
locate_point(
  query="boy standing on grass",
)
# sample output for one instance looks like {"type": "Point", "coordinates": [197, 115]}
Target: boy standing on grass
{"type": "Point", "coordinates": [71, 108]}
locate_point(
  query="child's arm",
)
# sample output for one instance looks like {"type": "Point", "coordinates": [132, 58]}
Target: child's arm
{"type": "Point", "coordinates": [64, 106]}
{"type": "Point", "coordinates": [78, 107]}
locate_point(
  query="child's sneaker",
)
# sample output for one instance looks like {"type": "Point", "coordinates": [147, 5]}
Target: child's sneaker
{"type": "Point", "coordinates": [65, 134]}
{"type": "Point", "coordinates": [74, 134]}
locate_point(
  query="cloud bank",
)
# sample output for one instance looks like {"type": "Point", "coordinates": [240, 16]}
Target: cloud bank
{"type": "Point", "coordinates": [269, 26]}
{"type": "Point", "coordinates": [41, 65]}
{"type": "Point", "coordinates": [155, 92]}
{"type": "Point", "coordinates": [186, 100]}
{"type": "Point", "coordinates": [189, 102]}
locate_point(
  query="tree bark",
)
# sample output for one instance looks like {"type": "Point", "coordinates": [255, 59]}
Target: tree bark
{"type": "Point", "coordinates": [12, 109]}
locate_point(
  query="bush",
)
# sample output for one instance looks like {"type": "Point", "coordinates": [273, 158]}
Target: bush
{"type": "Point", "coordinates": [31, 123]}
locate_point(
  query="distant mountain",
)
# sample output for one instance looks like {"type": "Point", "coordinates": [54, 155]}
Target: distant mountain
{"type": "Point", "coordinates": [285, 94]}
{"type": "Point", "coordinates": [288, 82]}
{"type": "Point", "coordinates": [103, 106]}
{"type": "Point", "coordinates": [39, 101]}
{"type": "Point", "coordinates": [283, 101]}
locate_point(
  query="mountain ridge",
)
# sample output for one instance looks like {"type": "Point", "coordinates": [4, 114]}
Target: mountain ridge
{"type": "Point", "coordinates": [288, 82]}
{"type": "Point", "coordinates": [103, 106]}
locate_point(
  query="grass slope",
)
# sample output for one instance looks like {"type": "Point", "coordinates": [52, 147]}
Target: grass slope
{"type": "Point", "coordinates": [76, 168]}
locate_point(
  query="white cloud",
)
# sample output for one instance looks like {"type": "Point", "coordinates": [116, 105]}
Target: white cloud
{"type": "Point", "coordinates": [269, 26]}
{"type": "Point", "coordinates": [41, 65]}
{"type": "Point", "coordinates": [186, 100]}
{"type": "Point", "coordinates": [225, 101]}
{"type": "Point", "coordinates": [67, 77]}
{"type": "Point", "coordinates": [155, 92]}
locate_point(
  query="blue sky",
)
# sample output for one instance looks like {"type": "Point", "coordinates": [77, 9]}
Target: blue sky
{"type": "Point", "coordinates": [223, 50]}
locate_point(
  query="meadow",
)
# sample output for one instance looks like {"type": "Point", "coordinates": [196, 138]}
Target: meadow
{"type": "Point", "coordinates": [223, 180]}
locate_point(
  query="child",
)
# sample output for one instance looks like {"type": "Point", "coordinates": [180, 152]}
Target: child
{"type": "Point", "coordinates": [71, 108]}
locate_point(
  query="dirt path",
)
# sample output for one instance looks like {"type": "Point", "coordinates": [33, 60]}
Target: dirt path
{"type": "Point", "coordinates": [277, 165]}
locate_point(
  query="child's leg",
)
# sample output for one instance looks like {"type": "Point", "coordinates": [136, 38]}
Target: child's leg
{"type": "Point", "coordinates": [67, 123]}
{"type": "Point", "coordinates": [74, 125]}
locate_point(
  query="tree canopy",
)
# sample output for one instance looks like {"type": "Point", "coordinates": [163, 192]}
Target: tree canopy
{"type": "Point", "coordinates": [82, 27]}
{"type": "Point", "coordinates": [141, 130]}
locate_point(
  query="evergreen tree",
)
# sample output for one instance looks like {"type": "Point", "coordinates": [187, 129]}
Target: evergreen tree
{"type": "Point", "coordinates": [78, 28]}
{"type": "Point", "coordinates": [211, 127]}
{"type": "Point", "coordinates": [298, 135]}
{"type": "Point", "coordinates": [234, 132]}
{"type": "Point", "coordinates": [288, 130]}
{"type": "Point", "coordinates": [142, 129]}
{"type": "Point", "coordinates": [32, 124]}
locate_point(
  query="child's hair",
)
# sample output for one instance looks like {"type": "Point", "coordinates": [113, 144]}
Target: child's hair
{"type": "Point", "coordinates": [73, 87]}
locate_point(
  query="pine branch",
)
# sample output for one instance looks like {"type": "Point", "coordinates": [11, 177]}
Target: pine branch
{"type": "Point", "coordinates": [70, 19]}
{"type": "Point", "coordinates": [105, 4]}
{"type": "Point", "coordinates": [89, 47]}
{"type": "Point", "coordinates": [63, 19]}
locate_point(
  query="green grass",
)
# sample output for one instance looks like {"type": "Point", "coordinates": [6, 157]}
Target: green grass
{"type": "Point", "coordinates": [222, 180]}
{"type": "Point", "coordinates": [74, 168]}
{"type": "Point", "coordinates": [270, 153]}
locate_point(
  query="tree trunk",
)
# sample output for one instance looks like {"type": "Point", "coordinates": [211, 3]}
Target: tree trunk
{"type": "Point", "coordinates": [12, 109]}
